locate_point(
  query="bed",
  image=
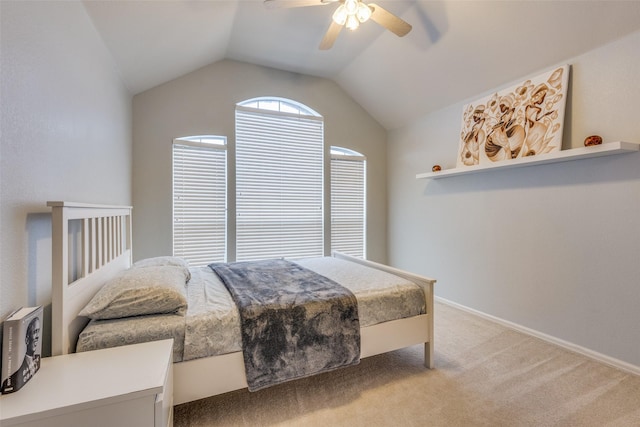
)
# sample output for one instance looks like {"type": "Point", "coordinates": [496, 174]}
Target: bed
{"type": "Point", "coordinates": [92, 244]}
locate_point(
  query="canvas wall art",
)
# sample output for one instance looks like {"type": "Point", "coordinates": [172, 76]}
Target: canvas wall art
{"type": "Point", "coordinates": [523, 120]}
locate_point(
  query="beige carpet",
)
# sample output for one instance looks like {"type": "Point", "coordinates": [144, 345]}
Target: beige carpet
{"type": "Point", "coordinates": [486, 375]}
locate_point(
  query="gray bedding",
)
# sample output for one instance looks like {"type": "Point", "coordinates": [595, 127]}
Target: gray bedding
{"type": "Point", "coordinates": [294, 322]}
{"type": "Point", "coordinates": [212, 323]}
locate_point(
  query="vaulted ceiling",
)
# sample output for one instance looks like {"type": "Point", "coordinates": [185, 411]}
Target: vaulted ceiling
{"type": "Point", "coordinates": [456, 50]}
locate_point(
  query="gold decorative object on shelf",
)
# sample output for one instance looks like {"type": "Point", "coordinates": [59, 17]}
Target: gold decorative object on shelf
{"type": "Point", "coordinates": [592, 140]}
{"type": "Point", "coordinates": [436, 168]}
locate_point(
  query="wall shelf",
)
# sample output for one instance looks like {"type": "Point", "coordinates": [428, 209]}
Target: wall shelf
{"type": "Point", "coordinates": [607, 149]}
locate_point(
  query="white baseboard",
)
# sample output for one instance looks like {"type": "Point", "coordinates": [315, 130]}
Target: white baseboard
{"type": "Point", "coordinates": [607, 360]}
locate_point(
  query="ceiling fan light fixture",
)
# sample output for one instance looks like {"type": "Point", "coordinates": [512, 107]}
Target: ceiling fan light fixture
{"type": "Point", "coordinates": [352, 22]}
{"type": "Point", "coordinates": [340, 15]}
{"type": "Point", "coordinates": [364, 12]}
{"type": "Point", "coordinates": [351, 13]}
{"type": "Point", "coordinates": [351, 6]}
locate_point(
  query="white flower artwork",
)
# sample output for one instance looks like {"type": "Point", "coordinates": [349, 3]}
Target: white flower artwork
{"type": "Point", "coordinates": [523, 120]}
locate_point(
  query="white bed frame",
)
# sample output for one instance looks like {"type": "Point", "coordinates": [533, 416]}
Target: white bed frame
{"type": "Point", "coordinates": [98, 246]}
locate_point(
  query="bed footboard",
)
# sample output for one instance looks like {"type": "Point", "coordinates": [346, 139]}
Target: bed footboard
{"type": "Point", "coordinates": [427, 285]}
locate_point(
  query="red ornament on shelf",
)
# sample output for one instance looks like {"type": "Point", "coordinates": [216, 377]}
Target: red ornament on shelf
{"type": "Point", "coordinates": [592, 140]}
{"type": "Point", "coordinates": [436, 168]}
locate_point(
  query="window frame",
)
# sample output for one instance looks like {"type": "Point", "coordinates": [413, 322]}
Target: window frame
{"type": "Point", "coordinates": [182, 146]}
{"type": "Point", "coordinates": [268, 124]}
{"type": "Point", "coordinates": [288, 109]}
{"type": "Point", "coordinates": [342, 154]}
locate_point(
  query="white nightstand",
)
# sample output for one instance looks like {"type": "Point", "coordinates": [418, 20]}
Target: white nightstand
{"type": "Point", "coordinates": [123, 386]}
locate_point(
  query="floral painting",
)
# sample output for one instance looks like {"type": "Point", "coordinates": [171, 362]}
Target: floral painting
{"type": "Point", "coordinates": [523, 120]}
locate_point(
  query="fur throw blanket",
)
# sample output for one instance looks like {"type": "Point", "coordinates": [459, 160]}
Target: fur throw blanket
{"type": "Point", "coordinates": [295, 322]}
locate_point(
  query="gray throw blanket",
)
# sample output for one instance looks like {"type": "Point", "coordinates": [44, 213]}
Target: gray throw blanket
{"type": "Point", "coordinates": [294, 322]}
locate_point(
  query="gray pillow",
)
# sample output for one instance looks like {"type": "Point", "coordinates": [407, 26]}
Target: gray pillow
{"type": "Point", "coordinates": [140, 291]}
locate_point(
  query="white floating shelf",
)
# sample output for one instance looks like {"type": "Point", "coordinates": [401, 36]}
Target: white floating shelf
{"type": "Point", "coordinates": [607, 149]}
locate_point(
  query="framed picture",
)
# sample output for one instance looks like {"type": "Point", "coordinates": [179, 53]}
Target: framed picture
{"type": "Point", "coordinates": [523, 120]}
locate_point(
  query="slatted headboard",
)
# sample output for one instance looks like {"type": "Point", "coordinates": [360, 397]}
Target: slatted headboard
{"type": "Point", "coordinates": [90, 245]}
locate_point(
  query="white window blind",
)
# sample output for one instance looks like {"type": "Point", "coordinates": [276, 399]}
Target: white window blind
{"type": "Point", "coordinates": [279, 184]}
{"type": "Point", "coordinates": [348, 204]}
{"type": "Point", "coordinates": [199, 200]}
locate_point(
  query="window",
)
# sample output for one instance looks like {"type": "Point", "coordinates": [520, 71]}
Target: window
{"type": "Point", "coordinates": [199, 199]}
{"type": "Point", "coordinates": [279, 188]}
{"type": "Point", "coordinates": [348, 202]}
{"type": "Point", "coordinates": [279, 180]}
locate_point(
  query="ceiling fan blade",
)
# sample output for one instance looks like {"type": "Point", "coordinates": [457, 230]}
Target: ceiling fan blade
{"type": "Point", "coordinates": [388, 20]}
{"type": "Point", "coordinates": [281, 4]}
{"type": "Point", "coordinates": [330, 36]}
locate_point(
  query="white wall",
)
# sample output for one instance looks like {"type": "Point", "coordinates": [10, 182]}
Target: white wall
{"type": "Point", "coordinates": [555, 248]}
{"type": "Point", "coordinates": [66, 135]}
{"type": "Point", "coordinates": [203, 102]}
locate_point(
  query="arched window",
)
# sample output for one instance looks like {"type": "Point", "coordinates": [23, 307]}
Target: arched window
{"type": "Point", "coordinates": [279, 185]}
{"type": "Point", "coordinates": [348, 202]}
{"type": "Point", "coordinates": [279, 180]}
{"type": "Point", "coordinates": [281, 105]}
{"type": "Point", "coordinates": [200, 198]}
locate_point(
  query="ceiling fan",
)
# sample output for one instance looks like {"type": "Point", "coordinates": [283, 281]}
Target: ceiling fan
{"type": "Point", "coordinates": [350, 14]}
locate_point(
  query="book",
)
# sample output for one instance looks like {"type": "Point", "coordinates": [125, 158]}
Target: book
{"type": "Point", "coordinates": [21, 348]}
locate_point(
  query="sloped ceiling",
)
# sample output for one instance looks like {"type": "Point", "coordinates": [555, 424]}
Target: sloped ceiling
{"type": "Point", "coordinates": [456, 50]}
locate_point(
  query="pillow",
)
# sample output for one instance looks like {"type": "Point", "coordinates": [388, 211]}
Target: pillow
{"type": "Point", "coordinates": [163, 261]}
{"type": "Point", "coordinates": [140, 291]}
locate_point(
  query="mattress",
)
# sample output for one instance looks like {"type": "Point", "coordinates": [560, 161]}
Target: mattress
{"type": "Point", "coordinates": [211, 325]}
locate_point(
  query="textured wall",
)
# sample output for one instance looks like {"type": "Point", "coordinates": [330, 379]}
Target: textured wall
{"type": "Point", "coordinates": [66, 135]}
{"type": "Point", "coordinates": [554, 248]}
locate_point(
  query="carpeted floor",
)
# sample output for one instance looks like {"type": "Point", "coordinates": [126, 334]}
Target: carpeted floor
{"type": "Point", "coordinates": [485, 375]}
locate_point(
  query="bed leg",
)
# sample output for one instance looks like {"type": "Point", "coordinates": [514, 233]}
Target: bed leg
{"type": "Point", "coordinates": [428, 355]}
